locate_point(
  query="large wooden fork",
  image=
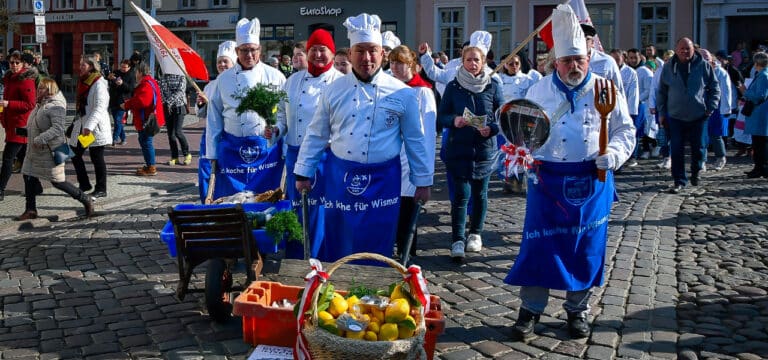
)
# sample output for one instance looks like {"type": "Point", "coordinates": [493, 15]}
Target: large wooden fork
{"type": "Point", "coordinates": [605, 102]}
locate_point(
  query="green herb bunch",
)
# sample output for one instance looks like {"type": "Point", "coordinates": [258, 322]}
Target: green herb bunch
{"type": "Point", "coordinates": [262, 99]}
{"type": "Point", "coordinates": [284, 223]}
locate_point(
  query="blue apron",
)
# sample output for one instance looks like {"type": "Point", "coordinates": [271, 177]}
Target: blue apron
{"type": "Point", "coordinates": [246, 163]}
{"type": "Point", "coordinates": [362, 205]}
{"type": "Point", "coordinates": [316, 222]}
{"type": "Point", "coordinates": [717, 124]}
{"type": "Point", "coordinates": [203, 171]}
{"type": "Point", "coordinates": [640, 120]}
{"type": "Point", "coordinates": [566, 228]}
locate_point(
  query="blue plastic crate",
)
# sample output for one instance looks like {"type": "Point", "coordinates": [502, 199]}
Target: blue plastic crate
{"type": "Point", "coordinates": [264, 242]}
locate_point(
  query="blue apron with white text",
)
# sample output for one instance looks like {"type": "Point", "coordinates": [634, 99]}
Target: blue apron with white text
{"type": "Point", "coordinates": [316, 223]}
{"type": "Point", "coordinates": [362, 205]}
{"type": "Point", "coordinates": [566, 228]}
{"type": "Point", "coordinates": [203, 170]}
{"type": "Point", "coordinates": [246, 163]}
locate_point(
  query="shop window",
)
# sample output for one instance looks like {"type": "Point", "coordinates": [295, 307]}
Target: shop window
{"type": "Point", "coordinates": [219, 3]}
{"type": "Point", "coordinates": [276, 40]}
{"type": "Point", "coordinates": [26, 6]}
{"type": "Point", "coordinates": [654, 25]}
{"type": "Point", "coordinates": [603, 18]}
{"type": "Point", "coordinates": [63, 4]}
{"type": "Point", "coordinates": [451, 31]}
{"type": "Point", "coordinates": [96, 4]}
{"type": "Point", "coordinates": [101, 42]}
{"type": "Point", "coordinates": [498, 22]}
{"type": "Point", "coordinates": [187, 4]}
{"type": "Point", "coordinates": [389, 26]}
{"type": "Point", "coordinates": [208, 46]}
{"type": "Point", "coordinates": [28, 44]}
{"type": "Point", "coordinates": [140, 44]}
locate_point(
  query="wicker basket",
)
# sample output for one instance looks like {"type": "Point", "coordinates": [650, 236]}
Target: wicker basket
{"type": "Point", "coordinates": [326, 346]}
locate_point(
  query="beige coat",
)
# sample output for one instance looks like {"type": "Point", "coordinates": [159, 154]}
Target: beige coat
{"type": "Point", "coordinates": [45, 131]}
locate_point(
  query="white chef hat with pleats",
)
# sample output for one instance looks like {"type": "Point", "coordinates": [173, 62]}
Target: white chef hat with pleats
{"type": "Point", "coordinates": [248, 31]}
{"type": "Point", "coordinates": [227, 49]}
{"type": "Point", "coordinates": [363, 28]}
{"type": "Point", "coordinates": [481, 40]}
{"type": "Point", "coordinates": [567, 33]}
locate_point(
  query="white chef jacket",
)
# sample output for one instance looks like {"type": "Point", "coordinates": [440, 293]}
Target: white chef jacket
{"type": "Point", "coordinates": [436, 74]}
{"type": "Point", "coordinates": [654, 88]}
{"type": "Point", "coordinates": [222, 104]}
{"type": "Point", "coordinates": [644, 83]}
{"type": "Point", "coordinates": [725, 89]}
{"type": "Point", "coordinates": [574, 137]}
{"type": "Point", "coordinates": [428, 112]}
{"type": "Point", "coordinates": [631, 88]}
{"type": "Point", "coordinates": [295, 113]}
{"type": "Point", "coordinates": [604, 65]}
{"type": "Point", "coordinates": [515, 86]}
{"type": "Point", "coordinates": [367, 122]}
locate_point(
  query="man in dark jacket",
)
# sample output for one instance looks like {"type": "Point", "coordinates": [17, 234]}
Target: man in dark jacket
{"type": "Point", "coordinates": [688, 94]}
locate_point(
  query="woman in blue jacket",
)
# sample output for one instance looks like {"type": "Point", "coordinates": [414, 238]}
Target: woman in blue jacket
{"type": "Point", "coordinates": [471, 149]}
{"type": "Point", "coordinates": [757, 122]}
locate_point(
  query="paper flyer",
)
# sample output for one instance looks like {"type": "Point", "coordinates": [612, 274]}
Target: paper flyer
{"type": "Point", "coordinates": [268, 352]}
{"type": "Point", "coordinates": [477, 121]}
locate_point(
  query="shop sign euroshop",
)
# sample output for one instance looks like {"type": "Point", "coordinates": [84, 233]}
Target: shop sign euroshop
{"type": "Point", "coordinates": [320, 11]}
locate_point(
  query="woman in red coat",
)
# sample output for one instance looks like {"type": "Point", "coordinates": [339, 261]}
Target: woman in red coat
{"type": "Point", "coordinates": [146, 99]}
{"type": "Point", "coordinates": [17, 103]}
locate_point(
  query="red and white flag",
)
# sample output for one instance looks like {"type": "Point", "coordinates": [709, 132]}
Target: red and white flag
{"type": "Point", "coordinates": [580, 9]}
{"type": "Point", "coordinates": [168, 46]}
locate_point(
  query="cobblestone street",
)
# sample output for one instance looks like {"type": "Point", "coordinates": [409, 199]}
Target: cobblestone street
{"type": "Point", "coordinates": [685, 278]}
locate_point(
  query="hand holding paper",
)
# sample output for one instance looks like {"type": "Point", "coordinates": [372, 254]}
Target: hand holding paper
{"type": "Point", "coordinates": [478, 121]}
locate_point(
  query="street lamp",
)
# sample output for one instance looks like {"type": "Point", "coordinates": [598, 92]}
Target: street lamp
{"type": "Point", "coordinates": [110, 7]}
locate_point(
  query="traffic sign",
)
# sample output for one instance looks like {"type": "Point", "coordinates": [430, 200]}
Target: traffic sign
{"type": "Point", "coordinates": [40, 34]}
{"type": "Point", "coordinates": [39, 7]}
{"type": "Point", "coordinates": [39, 20]}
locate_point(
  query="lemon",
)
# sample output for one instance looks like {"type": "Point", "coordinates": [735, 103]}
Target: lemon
{"type": "Point", "coordinates": [396, 311]}
{"type": "Point", "coordinates": [324, 315]}
{"type": "Point", "coordinates": [403, 332]}
{"type": "Point", "coordinates": [371, 336]}
{"type": "Point", "coordinates": [373, 326]}
{"type": "Point", "coordinates": [388, 332]}
{"type": "Point", "coordinates": [352, 301]}
{"type": "Point", "coordinates": [398, 293]}
{"type": "Point", "coordinates": [338, 306]}
{"type": "Point", "coordinates": [377, 314]}
{"type": "Point", "coordinates": [355, 334]}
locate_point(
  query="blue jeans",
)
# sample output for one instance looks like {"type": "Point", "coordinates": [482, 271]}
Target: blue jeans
{"type": "Point", "coordinates": [462, 189]}
{"type": "Point", "coordinates": [118, 134]}
{"type": "Point", "coordinates": [535, 299]}
{"type": "Point", "coordinates": [694, 133]}
{"type": "Point", "coordinates": [147, 148]}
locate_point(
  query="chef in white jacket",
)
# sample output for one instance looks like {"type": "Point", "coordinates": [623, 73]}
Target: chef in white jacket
{"type": "Point", "coordinates": [236, 141]}
{"type": "Point", "coordinates": [601, 63]}
{"type": "Point", "coordinates": [367, 115]}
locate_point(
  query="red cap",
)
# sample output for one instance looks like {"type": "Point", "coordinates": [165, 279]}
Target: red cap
{"type": "Point", "coordinates": [321, 37]}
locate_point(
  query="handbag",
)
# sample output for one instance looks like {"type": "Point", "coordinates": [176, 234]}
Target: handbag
{"type": "Point", "coordinates": [62, 153]}
{"type": "Point", "coordinates": [748, 108]}
{"type": "Point", "coordinates": [151, 127]}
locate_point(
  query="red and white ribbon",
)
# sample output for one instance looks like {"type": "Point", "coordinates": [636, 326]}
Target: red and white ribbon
{"type": "Point", "coordinates": [418, 284]}
{"type": "Point", "coordinates": [314, 279]}
{"type": "Point", "coordinates": [516, 157]}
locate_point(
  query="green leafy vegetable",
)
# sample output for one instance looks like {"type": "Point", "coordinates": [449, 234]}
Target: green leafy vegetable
{"type": "Point", "coordinates": [284, 223]}
{"type": "Point", "coordinates": [262, 99]}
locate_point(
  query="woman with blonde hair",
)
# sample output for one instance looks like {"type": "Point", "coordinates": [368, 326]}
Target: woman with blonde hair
{"type": "Point", "coordinates": [45, 131]}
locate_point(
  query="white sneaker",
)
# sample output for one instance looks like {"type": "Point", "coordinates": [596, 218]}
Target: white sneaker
{"type": "Point", "coordinates": [720, 163]}
{"type": "Point", "coordinates": [457, 249]}
{"type": "Point", "coordinates": [665, 164]}
{"type": "Point", "coordinates": [631, 162]}
{"type": "Point", "coordinates": [645, 155]}
{"type": "Point", "coordinates": [474, 243]}
{"type": "Point", "coordinates": [703, 168]}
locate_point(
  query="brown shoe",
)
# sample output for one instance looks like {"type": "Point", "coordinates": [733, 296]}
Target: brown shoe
{"type": "Point", "coordinates": [147, 171]}
{"type": "Point", "coordinates": [88, 206]}
{"type": "Point", "coordinates": [27, 215]}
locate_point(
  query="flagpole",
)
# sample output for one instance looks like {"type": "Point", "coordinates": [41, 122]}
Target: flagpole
{"type": "Point", "coordinates": [524, 42]}
{"type": "Point", "coordinates": [160, 40]}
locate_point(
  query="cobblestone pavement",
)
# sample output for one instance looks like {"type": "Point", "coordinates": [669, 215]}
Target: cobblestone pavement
{"type": "Point", "coordinates": [685, 278]}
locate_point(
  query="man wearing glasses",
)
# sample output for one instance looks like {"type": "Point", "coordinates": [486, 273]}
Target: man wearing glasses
{"type": "Point", "coordinates": [566, 220]}
{"type": "Point", "coordinates": [235, 143]}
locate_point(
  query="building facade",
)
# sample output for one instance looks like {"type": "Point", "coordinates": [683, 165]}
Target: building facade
{"type": "Point", "coordinates": [728, 24]}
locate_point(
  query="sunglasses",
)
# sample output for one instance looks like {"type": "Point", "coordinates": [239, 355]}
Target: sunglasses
{"type": "Point", "coordinates": [14, 62]}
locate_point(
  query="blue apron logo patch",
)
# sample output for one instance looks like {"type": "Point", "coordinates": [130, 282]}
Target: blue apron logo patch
{"type": "Point", "coordinates": [249, 154]}
{"type": "Point", "coordinates": [356, 183]}
{"type": "Point", "coordinates": [577, 190]}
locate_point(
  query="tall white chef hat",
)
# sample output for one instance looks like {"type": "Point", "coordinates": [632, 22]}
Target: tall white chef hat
{"type": "Point", "coordinates": [567, 33]}
{"type": "Point", "coordinates": [390, 40]}
{"type": "Point", "coordinates": [363, 28]}
{"type": "Point", "coordinates": [247, 31]}
{"type": "Point", "coordinates": [227, 49]}
{"type": "Point", "coordinates": [481, 40]}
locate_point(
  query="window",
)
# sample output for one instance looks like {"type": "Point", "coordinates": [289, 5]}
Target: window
{"type": "Point", "coordinates": [101, 42]}
{"type": "Point", "coordinates": [187, 4]}
{"type": "Point", "coordinates": [219, 3]}
{"type": "Point", "coordinates": [63, 4]}
{"type": "Point", "coordinates": [451, 30]}
{"type": "Point", "coordinates": [603, 17]}
{"type": "Point", "coordinates": [28, 44]}
{"type": "Point", "coordinates": [26, 5]}
{"type": "Point", "coordinates": [208, 46]}
{"type": "Point", "coordinates": [498, 22]}
{"type": "Point", "coordinates": [95, 4]}
{"type": "Point", "coordinates": [140, 43]}
{"type": "Point", "coordinates": [655, 25]}
{"type": "Point", "coordinates": [389, 26]}
{"type": "Point", "coordinates": [276, 40]}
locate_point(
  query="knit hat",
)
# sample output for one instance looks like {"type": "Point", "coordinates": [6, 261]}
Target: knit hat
{"type": "Point", "coordinates": [227, 49]}
{"type": "Point", "coordinates": [568, 35]}
{"type": "Point", "coordinates": [247, 31]}
{"type": "Point", "coordinates": [390, 40]}
{"type": "Point", "coordinates": [363, 28]}
{"type": "Point", "coordinates": [321, 37]}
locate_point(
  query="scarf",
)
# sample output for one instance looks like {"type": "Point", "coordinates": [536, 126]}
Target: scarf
{"type": "Point", "coordinates": [570, 94]}
{"type": "Point", "coordinates": [83, 87]}
{"type": "Point", "coordinates": [418, 81]}
{"type": "Point", "coordinates": [475, 84]}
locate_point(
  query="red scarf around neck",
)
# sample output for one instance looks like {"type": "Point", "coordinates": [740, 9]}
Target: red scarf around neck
{"type": "Point", "coordinates": [417, 81]}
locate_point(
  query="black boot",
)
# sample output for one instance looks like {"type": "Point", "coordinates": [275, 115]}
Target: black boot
{"type": "Point", "coordinates": [87, 202]}
{"type": "Point", "coordinates": [524, 325]}
{"type": "Point", "coordinates": [578, 325]}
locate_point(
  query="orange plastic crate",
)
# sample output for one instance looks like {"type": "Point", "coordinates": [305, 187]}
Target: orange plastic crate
{"type": "Point", "coordinates": [264, 324]}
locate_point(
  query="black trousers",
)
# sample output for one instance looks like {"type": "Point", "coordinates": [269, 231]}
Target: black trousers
{"type": "Point", "coordinates": [32, 188]}
{"type": "Point", "coordinates": [407, 210]}
{"type": "Point", "coordinates": [174, 122]}
{"type": "Point", "coordinates": [760, 151]}
{"type": "Point", "coordinates": [11, 151]}
{"type": "Point", "coordinates": [99, 167]}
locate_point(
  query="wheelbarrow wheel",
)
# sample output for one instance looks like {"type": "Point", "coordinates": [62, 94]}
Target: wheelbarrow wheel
{"type": "Point", "coordinates": [218, 284]}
